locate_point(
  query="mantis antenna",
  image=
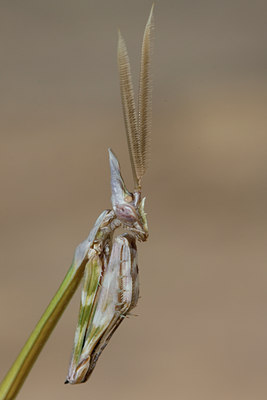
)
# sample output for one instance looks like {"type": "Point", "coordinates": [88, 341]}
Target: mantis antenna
{"type": "Point", "coordinates": [137, 124]}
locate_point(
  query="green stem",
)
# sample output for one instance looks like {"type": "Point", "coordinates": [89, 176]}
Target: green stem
{"type": "Point", "coordinates": [17, 374]}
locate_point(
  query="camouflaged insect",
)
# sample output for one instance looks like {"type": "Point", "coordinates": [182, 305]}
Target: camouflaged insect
{"type": "Point", "coordinates": [111, 285]}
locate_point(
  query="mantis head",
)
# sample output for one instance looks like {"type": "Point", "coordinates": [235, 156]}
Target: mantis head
{"type": "Point", "coordinates": [128, 207]}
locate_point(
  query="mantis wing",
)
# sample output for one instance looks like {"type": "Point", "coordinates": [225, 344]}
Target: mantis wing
{"type": "Point", "coordinates": [117, 294]}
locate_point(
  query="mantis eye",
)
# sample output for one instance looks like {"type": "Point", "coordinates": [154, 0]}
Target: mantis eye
{"type": "Point", "coordinates": [128, 198]}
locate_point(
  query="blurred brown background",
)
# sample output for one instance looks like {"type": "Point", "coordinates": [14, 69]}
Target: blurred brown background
{"type": "Point", "coordinates": [202, 326]}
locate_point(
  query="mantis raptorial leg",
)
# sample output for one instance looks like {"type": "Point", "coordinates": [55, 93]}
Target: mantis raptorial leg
{"type": "Point", "coordinates": [111, 285]}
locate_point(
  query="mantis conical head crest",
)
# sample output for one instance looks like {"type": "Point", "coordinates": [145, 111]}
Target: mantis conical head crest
{"type": "Point", "coordinates": [128, 207]}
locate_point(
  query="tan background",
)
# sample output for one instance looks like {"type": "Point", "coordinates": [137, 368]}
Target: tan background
{"type": "Point", "coordinates": [202, 326]}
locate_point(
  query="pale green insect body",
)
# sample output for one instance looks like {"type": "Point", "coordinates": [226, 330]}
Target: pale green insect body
{"type": "Point", "coordinates": [111, 285]}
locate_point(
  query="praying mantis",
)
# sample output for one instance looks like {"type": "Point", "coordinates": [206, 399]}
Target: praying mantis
{"type": "Point", "coordinates": [109, 265]}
